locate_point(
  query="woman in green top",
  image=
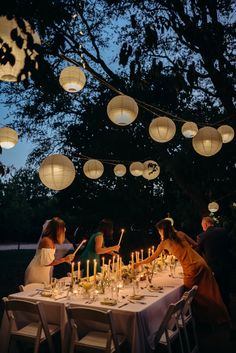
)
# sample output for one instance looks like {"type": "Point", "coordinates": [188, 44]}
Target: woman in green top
{"type": "Point", "coordinates": [95, 246]}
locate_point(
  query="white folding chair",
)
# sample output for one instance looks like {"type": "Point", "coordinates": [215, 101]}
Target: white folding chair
{"type": "Point", "coordinates": [30, 286]}
{"type": "Point", "coordinates": [187, 320]}
{"type": "Point", "coordinates": [169, 330]}
{"type": "Point", "coordinates": [36, 331]}
{"type": "Point", "coordinates": [93, 331]}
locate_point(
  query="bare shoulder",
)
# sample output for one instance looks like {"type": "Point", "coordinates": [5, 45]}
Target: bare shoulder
{"type": "Point", "coordinates": [47, 243]}
{"type": "Point", "coordinates": [181, 234]}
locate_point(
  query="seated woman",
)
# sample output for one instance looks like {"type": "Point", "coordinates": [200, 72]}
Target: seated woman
{"type": "Point", "coordinates": [40, 268]}
{"type": "Point", "coordinates": [209, 305]}
{"type": "Point", "coordinates": [95, 246]}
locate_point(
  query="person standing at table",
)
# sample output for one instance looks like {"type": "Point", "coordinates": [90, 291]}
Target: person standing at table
{"type": "Point", "coordinates": [40, 268]}
{"type": "Point", "coordinates": [213, 245]}
{"type": "Point", "coordinates": [96, 246]}
{"type": "Point", "coordinates": [209, 305]}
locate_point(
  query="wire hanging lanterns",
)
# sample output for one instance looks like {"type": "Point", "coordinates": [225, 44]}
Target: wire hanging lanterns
{"type": "Point", "coordinates": [151, 170]}
{"type": "Point", "coordinates": [207, 142]}
{"type": "Point", "coordinates": [93, 169]}
{"type": "Point", "coordinates": [72, 79]}
{"type": "Point", "coordinates": [213, 207]}
{"type": "Point", "coordinates": [122, 110]}
{"type": "Point", "coordinates": [8, 137]}
{"type": "Point", "coordinates": [189, 129]}
{"type": "Point", "coordinates": [136, 169]}
{"type": "Point", "coordinates": [57, 172]}
{"type": "Point", "coordinates": [227, 133]}
{"type": "Point", "coordinates": [162, 129]}
{"type": "Point", "coordinates": [120, 170]}
{"type": "Point", "coordinates": [16, 49]}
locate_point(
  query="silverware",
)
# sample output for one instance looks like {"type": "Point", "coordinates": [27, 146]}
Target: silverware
{"type": "Point", "coordinates": [136, 302]}
{"type": "Point", "coordinates": [121, 306]}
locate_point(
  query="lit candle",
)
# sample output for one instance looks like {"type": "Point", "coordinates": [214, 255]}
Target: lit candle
{"type": "Point", "coordinates": [94, 269]}
{"type": "Point", "coordinates": [78, 270]}
{"type": "Point", "coordinates": [121, 235]}
{"type": "Point", "coordinates": [72, 269]}
{"type": "Point", "coordinates": [149, 252]}
{"type": "Point", "coordinates": [141, 254]}
{"type": "Point", "coordinates": [103, 265]}
{"type": "Point", "coordinates": [132, 260]}
{"type": "Point", "coordinates": [113, 263]}
{"type": "Point", "coordinates": [153, 249]}
{"type": "Point", "coordinates": [121, 265]}
{"type": "Point", "coordinates": [109, 268]}
{"type": "Point", "coordinates": [87, 269]}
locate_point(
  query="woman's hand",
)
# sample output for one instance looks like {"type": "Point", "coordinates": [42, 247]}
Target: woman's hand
{"type": "Point", "coordinates": [116, 248]}
{"type": "Point", "coordinates": [69, 258]}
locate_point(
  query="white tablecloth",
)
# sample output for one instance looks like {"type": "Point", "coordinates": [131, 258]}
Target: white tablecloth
{"type": "Point", "coordinates": [138, 322]}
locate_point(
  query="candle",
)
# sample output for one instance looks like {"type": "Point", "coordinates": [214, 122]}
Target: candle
{"type": "Point", "coordinates": [94, 269]}
{"type": "Point", "coordinates": [141, 254]}
{"type": "Point", "coordinates": [149, 252]}
{"type": "Point", "coordinates": [132, 260]}
{"type": "Point", "coordinates": [109, 268]}
{"type": "Point", "coordinates": [87, 274]}
{"type": "Point", "coordinates": [113, 263]}
{"type": "Point", "coordinates": [121, 235]}
{"type": "Point", "coordinates": [78, 275]}
{"type": "Point", "coordinates": [72, 270]}
{"type": "Point", "coordinates": [103, 265]}
{"type": "Point", "coordinates": [152, 249]}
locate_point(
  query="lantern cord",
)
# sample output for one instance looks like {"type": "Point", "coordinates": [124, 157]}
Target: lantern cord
{"type": "Point", "coordinates": [109, 161]}
{"type": "Point", "coordinates": [148, 107]}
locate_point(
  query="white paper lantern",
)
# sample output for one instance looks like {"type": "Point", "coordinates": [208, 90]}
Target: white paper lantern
{"type": "Point", "coordinates": [136, 168]}
{"type": "Point", "coordinates": [213, 207]}
{"type": "Point", "coordinates": [170, 219]}
{"type": "Point", "coordinates": [8, 137]}
{"type": "Point", "coordinates": [162, 129]}
{"type": "Point", "coordinates": [120, 170]}
{"type": "Point", "coordinates": [207, 142]}
{"type": "Point", "coordinates": [122, 110]}
{"type": "Point", "coordinates": [72, 79]}
{"type": "Point", "coordinates": [151, 170]}
{"type": "Point", "coordinates": [7, 72]}
{"type": "Point", "coordinates": [93, 169]}
{"type": "Point", "coordinates": [189, 129]}
{"type": "Point", "coordinates": [227, 133]}
{"type": "Point", "coordinates": [57, 172]}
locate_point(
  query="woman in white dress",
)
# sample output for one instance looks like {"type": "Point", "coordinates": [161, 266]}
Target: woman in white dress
{"type": "Point", "coordinates": [40, 268]}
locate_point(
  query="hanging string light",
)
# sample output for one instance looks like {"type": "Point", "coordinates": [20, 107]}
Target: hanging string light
{"type": "Point", "coordinates": [8, 137]}
{"type": "Point", "coordinates": [120, 170]}
{"type": "Point", "coordinates": [72, 79]}
{"type": "Point", "coordinates": [136, 169]}
{"type": "Point", "coordinates": [189, 129]}
{"type": "Point", "coordinates": [162, 129]}
{"type": "Point", "coordinates": [227, 133]}
{"type": "Point", "coordinates": [213, 207]}
{"type": "Point", "coordinates": [207, 142]}
{"type": "Point", "coordinates": [93, 169]}
{"type": "Point", "coordinates": [122, 110]}
{"type": "Point", "coordinates": [151, 170]}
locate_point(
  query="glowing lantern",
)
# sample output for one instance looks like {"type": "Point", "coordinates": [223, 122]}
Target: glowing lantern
{"type": "Point", "coordinates": [227, 133]}
{"type": "Point", "coordinates": [120, 170]}
{"type": "Point", "coordinates": [136, 168]}
{"type": "Point", "coordinates": [213, 207]}
{"type": "Point", "coordinates": [151, 170]}
{"type": "Point", "coordinates": [189, 129]}
{"type": "Point", "coordinates": [8, 137]}
{"type": "Point", "coordinates": [122, 110]}
{"type": "Point", "coordinates": [162, 129]}
{"type": "Point", "coordinates": [207, 142]}
{"type": "Point", "coordinates": [57, 172]}
{"type": "Point", "coordinates": [10, 72]}
{"type": "Point", "coordinates": [170, 220]}
{"type": "Point", "coordinates": [72, 79]}
{"type": "Point", "coordinates": [93, 169]}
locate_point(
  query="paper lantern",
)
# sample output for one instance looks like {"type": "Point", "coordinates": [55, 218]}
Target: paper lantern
{"type": "Point", "coordinates": [170, 219]}
{"type": "Point", "coordinates": [93, 169]}
{"type": "Point", "coordinates": [151, 170]}
{"type": "Point", "coordinates": [72, 79]}
{"type": "Point", "coordinates": [162, 129]}
{"type": "Point", "coordinates": [120, 170]}
{"type": "Point", "coordinates": [7, 71]}
{"type": "Point", "coordinates": [227, 133]}
{"type": "Point", "coordinates": [57, 172]}
{"type": "Point", "coordinates": [189, 129]}
{"type": "Point", "coordinates": [136, 168]}
{"type": "Point", "coordinates": [122, 110]}
{"type": "Point", "coordinates": [207, 142]}
{"type": "Point", "coordinates": [8, 137]}
{"type": "Point", "coordinates": [213, 207]}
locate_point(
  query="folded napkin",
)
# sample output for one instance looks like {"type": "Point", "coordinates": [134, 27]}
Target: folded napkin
{"type": "Point", "coordinates": [60, 296]}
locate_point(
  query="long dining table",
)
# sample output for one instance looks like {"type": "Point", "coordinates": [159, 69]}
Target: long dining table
{"type": "Point", "coordinates": [138, 320]}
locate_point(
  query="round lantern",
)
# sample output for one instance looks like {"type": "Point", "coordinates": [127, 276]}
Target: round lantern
{"type": "Point", "coordinates": [8, 137]}
{"type": "Point", "coordinates": [72, 79]}
{"type": "Point", "coordinates": [10, 72]}
{"type": "Point", "coordinates": [162, 129]}
{"type": "Point", "coordinates": [213, 207]}
{"type": "Point", "coordinates": [122, 110]}
{"type": "Point", "coordinates": [189, 129]}
{"type": "Point", "coordinates": [207, 142]}
{"type": "Point", "coordinates": [57, 172]}
{"type": "Point", "coordinates": [227, 133]}
{"type": "Point", "coordinates": [120, 170]}
{"type": "Point", "coordinates": [170, 220]}
{"type": "Point", "coordinates": [151, 170]}
{"type": "Point", "coordinates": [93, 169]}
{"type": "Point", "coordinates": [136, 168]}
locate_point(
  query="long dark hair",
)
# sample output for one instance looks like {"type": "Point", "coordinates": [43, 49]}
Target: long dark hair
{"type": "Point", "coordinates": [105, 226]}
{"type": "Point", "coordinates": [168, 230]}
{"type": "Point", "coordinates": [53, 228]}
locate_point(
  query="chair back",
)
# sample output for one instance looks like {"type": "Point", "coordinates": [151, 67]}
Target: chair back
{"type": "Point", "coordinates": [30, 286]}
{"type": "Point", "coordinates": [92, 319]}
{"type": "Point", "coordinates": [188, 298]}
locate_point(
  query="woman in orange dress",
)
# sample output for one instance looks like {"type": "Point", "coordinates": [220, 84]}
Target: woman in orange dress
{"type": "Point", "coordinates": [208, 303]}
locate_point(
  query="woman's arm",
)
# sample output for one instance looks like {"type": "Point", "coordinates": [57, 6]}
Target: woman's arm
{"type": "Point", "coordinates": [48, 243]}
{"type": "Point", "coordinates": [102, 250]}
{"type": "Point", "coordinates": [151, 258]}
